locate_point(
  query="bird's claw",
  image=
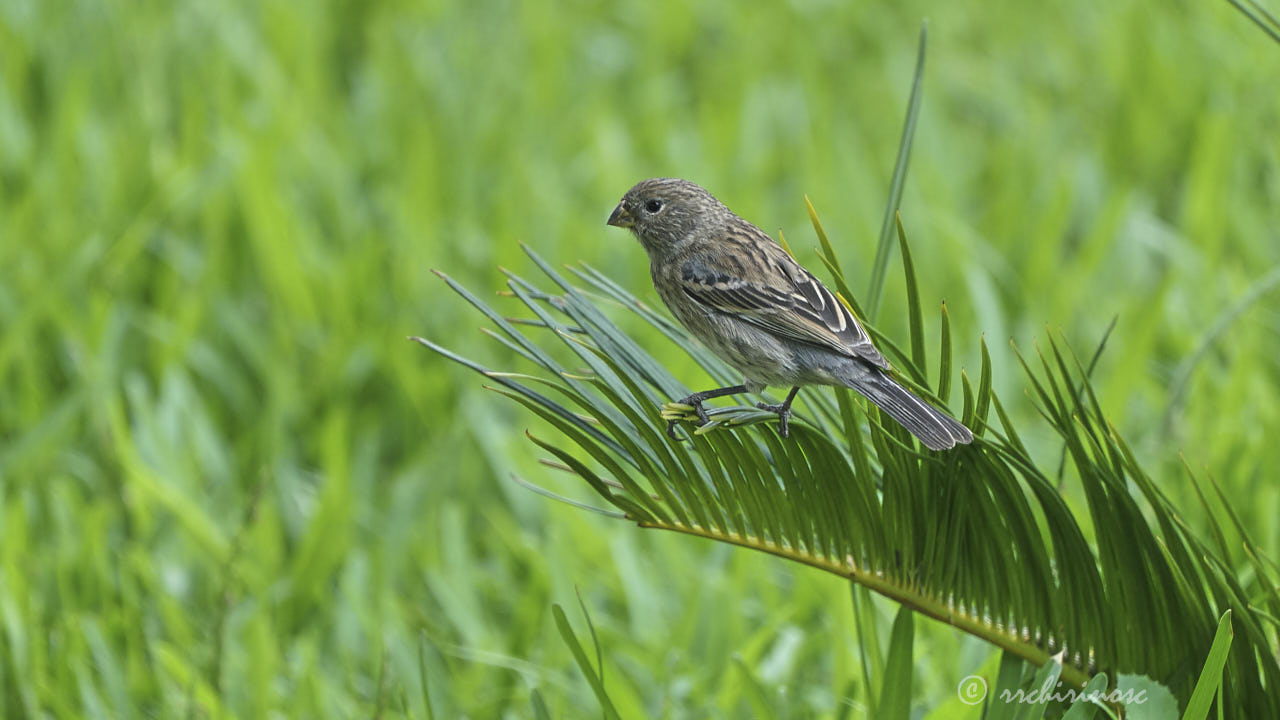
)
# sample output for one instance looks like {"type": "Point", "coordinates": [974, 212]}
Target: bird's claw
{"type": "Point", "coordinates": [784, 416]}
{"type": "Point", "coordinates": [671, 431]}
{"type": "Point", "coordinates": [700, 411]}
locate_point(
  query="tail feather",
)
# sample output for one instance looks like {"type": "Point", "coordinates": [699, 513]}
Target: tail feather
{"type": "Point", "coordinates": [934, 428]}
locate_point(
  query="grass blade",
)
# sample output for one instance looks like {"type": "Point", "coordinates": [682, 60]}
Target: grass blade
{"type": "Point", "coordinates": [895, 693]}
{"type": "Point", "coordinates": [1260, 17]}
{"type": "Point", "coordinates": [880, 266]}
{"type": "Point", "coordinates": [1182, 376]}
{"type": "Point", "coordinates": [1211, 677]}
{"type": "Point", "coordinates": [580, 656]}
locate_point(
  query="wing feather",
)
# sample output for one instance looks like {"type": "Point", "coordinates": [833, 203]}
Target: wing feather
{"type": "Point", "coordinates": [787, 301]}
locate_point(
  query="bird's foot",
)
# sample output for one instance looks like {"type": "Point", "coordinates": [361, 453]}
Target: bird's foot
{"type": "Point", "coordinates": [783, 411]}
{"type": "Point", "coordinates": [674, 412]}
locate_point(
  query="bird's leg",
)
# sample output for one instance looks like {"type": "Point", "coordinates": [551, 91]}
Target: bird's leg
{"type": "Point", "coordinates": [783, 411]}
{"type": "Point", "coordinates": [696, 401]}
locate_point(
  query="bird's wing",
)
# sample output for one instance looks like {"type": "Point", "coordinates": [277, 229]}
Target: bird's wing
{"type": "Point", "coordinates": [781, 297]}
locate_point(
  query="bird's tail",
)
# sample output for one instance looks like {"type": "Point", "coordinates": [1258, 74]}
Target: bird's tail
{"type": "Point", "coordinates": [936, 429]}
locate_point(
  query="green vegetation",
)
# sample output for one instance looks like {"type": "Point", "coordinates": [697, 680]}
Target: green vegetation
{"type": "Point", "coordinates": [979, 538]}
{"type": "Point", "coordinates": [229, 486]}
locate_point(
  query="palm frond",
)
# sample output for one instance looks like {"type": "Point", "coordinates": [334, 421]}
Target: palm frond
{"type": "Point", "coordinates": [979, 538]}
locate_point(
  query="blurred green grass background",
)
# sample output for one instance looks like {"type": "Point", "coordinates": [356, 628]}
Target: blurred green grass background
{"type": "Point", "coordinates": [230, 488]}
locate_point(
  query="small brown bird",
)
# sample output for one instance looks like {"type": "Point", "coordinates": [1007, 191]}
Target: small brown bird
{"type": "Point", "coordinates": [747, 300]}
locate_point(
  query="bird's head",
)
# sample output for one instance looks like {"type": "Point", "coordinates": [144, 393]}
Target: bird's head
{"type": "Point", "coordinates": [664, 213]}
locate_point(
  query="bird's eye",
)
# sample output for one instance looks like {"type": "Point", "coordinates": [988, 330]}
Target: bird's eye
{"type": "Point", "coordinates": [653, 206]}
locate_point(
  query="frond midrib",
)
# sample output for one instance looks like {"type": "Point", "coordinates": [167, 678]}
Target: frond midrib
{"type": "Point", "coordinates": [892, 588]}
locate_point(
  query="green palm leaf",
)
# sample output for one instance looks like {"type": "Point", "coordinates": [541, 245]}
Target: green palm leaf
{"type": "Point", "coordinates": [979, 538]}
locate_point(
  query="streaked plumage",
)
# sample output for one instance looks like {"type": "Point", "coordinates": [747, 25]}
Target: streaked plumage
{"type": "Point", "coordinates": [743, 296]}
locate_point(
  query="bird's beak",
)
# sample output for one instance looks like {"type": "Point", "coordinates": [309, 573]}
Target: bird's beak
{"type": "Point", "coordinates": [621, 218]}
